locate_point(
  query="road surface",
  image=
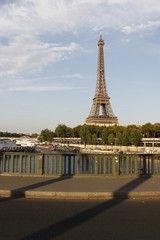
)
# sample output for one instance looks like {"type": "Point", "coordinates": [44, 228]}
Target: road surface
{"type": "Point", "coordinates": [79, 220]}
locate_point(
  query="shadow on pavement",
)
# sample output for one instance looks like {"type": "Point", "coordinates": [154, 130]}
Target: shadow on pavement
{"type": "Point", "coordinates": [123, 192]}
{"type": "Point", "coordinates": [67, 224]}
{"type": "Point", "coordinates": [20, 192]}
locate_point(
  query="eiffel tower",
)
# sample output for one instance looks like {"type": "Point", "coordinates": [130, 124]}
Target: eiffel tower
{"type": "Point", "coordinates": [101, 111]}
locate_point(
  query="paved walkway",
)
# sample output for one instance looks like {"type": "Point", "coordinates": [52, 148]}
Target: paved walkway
{"type": "Point", "coordinates": [80, 187]}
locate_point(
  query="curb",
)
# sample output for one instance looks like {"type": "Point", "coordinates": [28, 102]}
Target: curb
{"type": "Point", "coordinates": [78, 195]}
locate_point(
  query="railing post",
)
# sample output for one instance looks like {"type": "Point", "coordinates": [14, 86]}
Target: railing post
{"type": "Point", "coordinates": [153, 172]}
{"type": "Point", "coordinates": [11, 166]}
{"type": "Point", "coordinates": [115, 164]}
{"type": "Point", "coordinates": [20, 163]}
{"type": "Point", "coordinates": [104, 164]}
{"type": "Point", "coordinates": [127, 165]}
{"type": "Point", "coordinates": [3, 161]}
{"type": "Point", "coordinates": [96, 165]}
{"type": "Point", "coordinates": [136, 165]}
{"type": "Point", "coordinates": [77, 161]}
{"type": "Point", "coordinates": [39, 164]}
{"type": "Point", "coordinates": [60, 164]}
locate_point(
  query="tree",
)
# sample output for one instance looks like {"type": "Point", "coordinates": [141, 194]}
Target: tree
{"type": "Point", "coordinates": [104, 136]}
{"type": "Point", "coordinates": [84, 132]}
{"type": "Point", "coordinates": [111, 139]}
{"type": "Point", "coordinates": [34, 135]}
{"type": "Point", "coordinates": [63, 131]}
{"type": "Point", "coordinates": [135, 137]}
{"type": "Point", "coordinates": [147, 130]}
{"type": "Point", "coordinates": [46, 136]}
{"type": "Point", "coordinates": [119, 139]}
{"type": "Point", "coordinates": [94, 139]}
{"type": "Point", "coordinates": [76, 131]}
{"type": "Point", "coordinates": [156, 130]}
{"type": "Point", "coordinates": [89, 138]}
{"type": "Point", "coordinates": [125, 138]}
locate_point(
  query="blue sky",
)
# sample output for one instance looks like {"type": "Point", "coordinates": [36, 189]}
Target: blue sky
{"type": "Point", "coordinates": [48, 61]}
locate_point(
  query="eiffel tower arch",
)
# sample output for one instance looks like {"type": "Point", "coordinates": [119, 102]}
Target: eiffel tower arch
{"type": "Point", "coordinates": [101, 111]}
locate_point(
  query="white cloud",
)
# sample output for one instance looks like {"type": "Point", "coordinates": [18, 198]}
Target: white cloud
{"type": "Point", "coordinates": [125, 40]}
{"type": "Point", "coordinates": [74, 75]}
{"type": "Point", "coordinates": [24, 23]}
{"type": "Point", "coordinates": [38, 84]}
{"type": "Point", "coordinates": [59, 16]}
{"type": "Point", "coordinates": [141, 27]}
{"type": "Point", "coordinates": [32, 85]}
{"type": "Point", "coordinates": [26, 53]}
{"type": "Point", "coordinates": [35, 88]}
{"type": "Point", "coordinates": [111, 2]}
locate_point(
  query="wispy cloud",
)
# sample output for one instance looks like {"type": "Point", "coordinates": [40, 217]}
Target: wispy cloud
{"type": "Point", "coordinates": [59, 16]}
{"type": "Point", "coordinates": [25, 53]}
{"type": "Point", "coordinates": [35, 88]}
{"type": "Point", "coordinates": [141, 27]}
{"type": "Point", "coordinates": [39, 84]}
{"type": "Point", "coordinates": [32, 85]}
{"type": "Point", "coordinates": [23, 25]}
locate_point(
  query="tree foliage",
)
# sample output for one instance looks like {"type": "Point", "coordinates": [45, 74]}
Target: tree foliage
{"type": "Point", "coordinates": [63, 131]}
{"type": "Point", "coordinates": [46, 135]}
{"type": "Point", "coordinates": [7, 134]}
{"type": "Point", "coordinates": [111, 135]}
{"type": "Point", "coordinates": [91, 134]}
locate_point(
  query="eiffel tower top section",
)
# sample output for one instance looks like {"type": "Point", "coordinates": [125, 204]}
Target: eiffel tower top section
{"type": "Point", "coordinates": [101, 111]}
{"type": "Point", "coordinates": [101, 84]}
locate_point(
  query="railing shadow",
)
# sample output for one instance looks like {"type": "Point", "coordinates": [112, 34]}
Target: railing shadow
{"type": "Point", "coordinates": [67, 224]}
{"type": "Point", "coordinates": [20, 192]}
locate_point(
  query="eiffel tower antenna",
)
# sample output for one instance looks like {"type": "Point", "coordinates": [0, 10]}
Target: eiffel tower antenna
{"type": "Point", "coordinates": [101, 111]}
{"type": "Point", "coordinates": [101, 34]}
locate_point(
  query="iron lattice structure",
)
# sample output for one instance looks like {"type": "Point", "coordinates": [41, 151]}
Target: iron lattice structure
{"type": "Point", "coordinates": [101, 111]}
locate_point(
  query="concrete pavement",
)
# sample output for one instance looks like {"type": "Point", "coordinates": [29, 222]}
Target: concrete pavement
{"type": "Point", "coordinates": [79, 187]}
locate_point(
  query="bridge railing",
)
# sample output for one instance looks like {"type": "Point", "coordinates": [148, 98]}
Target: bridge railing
{"type": "Point", "coordinates": [79, 164]}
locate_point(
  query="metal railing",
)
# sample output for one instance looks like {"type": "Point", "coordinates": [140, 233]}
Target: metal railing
{"type": "Point", "coordinates": [79, 164]}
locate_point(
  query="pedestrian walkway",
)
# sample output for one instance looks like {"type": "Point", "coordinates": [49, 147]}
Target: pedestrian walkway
{"type": "Point", "coordinates": [80, 187]}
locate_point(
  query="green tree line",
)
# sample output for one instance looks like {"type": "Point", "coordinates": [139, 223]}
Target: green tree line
{"type": "Point", "coordinates": [111, 135]}
{"type": "Point", "coordinates": [16, 135]}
